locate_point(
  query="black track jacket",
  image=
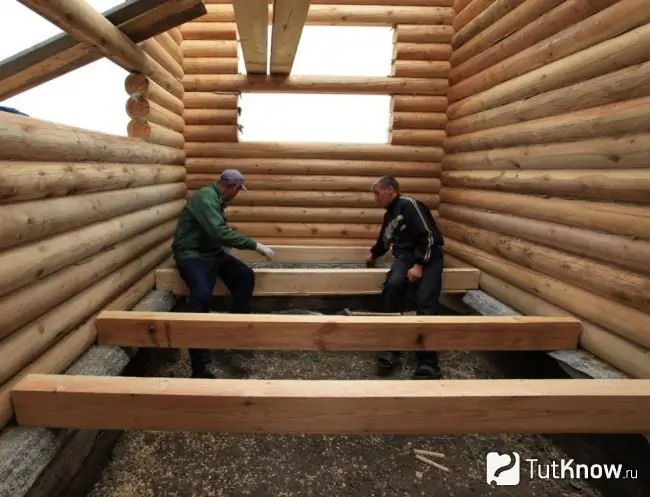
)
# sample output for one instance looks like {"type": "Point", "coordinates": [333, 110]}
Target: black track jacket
{"type": "Point", "coordinates": [408, 227]}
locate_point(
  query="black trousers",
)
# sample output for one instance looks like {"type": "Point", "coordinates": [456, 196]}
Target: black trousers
{"type": "Point", "coordinates": [201, 276]}
{"type": "Point", "coordinates": [427, 292]}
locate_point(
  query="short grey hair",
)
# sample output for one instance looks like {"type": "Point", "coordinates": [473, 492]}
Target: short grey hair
{"type": "Point", "coordinates": [385, 182]}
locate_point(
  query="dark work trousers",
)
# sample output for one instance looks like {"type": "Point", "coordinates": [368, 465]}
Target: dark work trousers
{"type": "Point", "coordinates": [427, 292]}
{"type": "Point", "coordinates": [201, 276]}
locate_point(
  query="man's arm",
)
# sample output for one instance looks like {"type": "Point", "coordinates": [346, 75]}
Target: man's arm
{"type": "Point", "coordinates": [379, 248]}
{"type": "Point", "coordinates": [425, 232]}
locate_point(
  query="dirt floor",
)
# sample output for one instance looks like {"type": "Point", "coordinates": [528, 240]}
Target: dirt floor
{"type": "Point", "coordinates": [190, 464]}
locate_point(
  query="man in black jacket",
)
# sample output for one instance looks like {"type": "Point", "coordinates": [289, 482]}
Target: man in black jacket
{"type": "Point", "coordinates": [411, 231]}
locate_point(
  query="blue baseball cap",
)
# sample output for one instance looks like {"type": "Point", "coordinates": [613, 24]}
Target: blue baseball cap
{"type": "Point", "coordinates": [232, 177]}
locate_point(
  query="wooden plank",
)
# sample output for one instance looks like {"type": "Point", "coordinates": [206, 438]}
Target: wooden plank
{"type": "Point", "coordinates": [311, 254]}
{"type": "Point", "coordinates": [61, 54]}
{"type": "Point", "coordinates": [313, 282]}
{"type": "Point", "coordinates": [289, 17]}
{"type": "Point", "coordinates": [407, 407]}
{"type": "Point", "coordinates": [341, 333]}
{"type": "Point", "coordinates": [252, 18]}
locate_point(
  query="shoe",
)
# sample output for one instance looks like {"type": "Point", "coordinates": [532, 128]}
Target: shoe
{"type": "Point", "coordinates": [386, 363]}
{"type": "Point", "coordinates": [424, 372]}
{"type": "Point", "coordinates": [203, 373]}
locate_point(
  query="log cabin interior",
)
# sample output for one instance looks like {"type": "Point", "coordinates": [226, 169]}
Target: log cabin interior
{"type": "Point", "coordinates": [523, 124]}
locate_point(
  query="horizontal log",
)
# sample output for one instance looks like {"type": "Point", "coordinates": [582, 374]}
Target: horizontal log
{"type": "Point", "coordinates": [243, 213]}
{"type": "Point", "coordinates": [615, 284]}
{"type": "Point", "coordinates": [154, 133]}
{"type": "Point", "coordinates": [333, 407]}
{"type": "Point", "coordinates": [465, 14]}
{"type": "Point", "coordinates": [208, 100]}
{"type": "Point", "coordinates": [391, 3]}
{"type": "Point", "coordinates": [138, 107]}
{"type": "Point", "coordinates": [171, 46]}
{"type": "Point", "coordinates": [158, 53]}
{"type": "Point", "coordinates": [201, 31]}
{"type": "Point", "coordinates": [357, 85]}
{"type": "Point", "coordinates": [627, 322]}
{"type": "Point", "coordinates": [622, 185]}
{"type": "Point", "coordinates": [23, 181]}
{"type": "Point", "coordinates": [618, 18]}
{"type": "Point", "coordinates": [626, 152]}
{"type": "Point", "coordinates": [624, 220]}
{"type": "Point", "coordinates": [631, 254]}
{"type": "Point", "coordinates": [421, 69]}
{"type": "Point", "coordinates": [210, 65]}
{"type": "Point", "coordinates": [137, 85]}
{"type": "Point", "coordinates": [418, 120]}
{"type": "Point", "coordinates": [210, 116]}
{"type": "Point", "coordinates": [417, 103]}
{"type": "Point", "coordinates": [30, 221]}
{"type": "Point", "coordinates": [350, 15]}
{"type": "Point", "coordinates": [313, 230]}
{"type": "Point", "coordinates": [311, 281]}
{"type": "Point", "coordinates": [279, 182]}
{"type": "Point", "coordinates": [625, 84]}
{"type": "Point", "coordinates": [418, 137]}
{"type": "Point", "coordinates": [625, 50]}
{"type": "Point", "coordinates": [344, 333]}
{"type": "Point", "coordinates": [432, 33]}
{"type": "Point", "coordinates": [483, 19]}
{"type": "Point", "coordinates": [330, 151]}
{"type": "Point", "coordinates": [459, 5]}
{"type": "Point", "coordinates": [23, 265]}
{"type": "Point", "coordinates": [423, 51]}
{"type": "Point", "coordinates": [26, 138]}
{"type": "Point", "coordinates": [313, 166]}
{"type": "Point", "coordinates": [209, 48]}
{"type": "Point", "coordinates": [211, 133]}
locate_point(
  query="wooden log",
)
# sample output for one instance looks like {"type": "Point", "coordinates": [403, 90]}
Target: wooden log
{"type": "Point", "coordinates": [344, 333]}
{"type": "Point", "coordinates": [565, 15]}
{"type": "Point", "coordinates": [459, 5]}
{"type": "Point", "coordinates": [158, 53]}
{"type": "Point", "coordinates": [339, 151]}
{"type": "Point", "coordinates": [209, 31]}
{"type": "Point", "coordinates": [624, 220]}
{"type": "Point", "coordinates": [333, 407]}
{"type": "Point", "coordinates": [371, 85]}
{"type": "Point", "coordinates": [23, 181]}
{"type": "Point", "coordinates": [616, 284]}
{"type": "Point", "coordinates": [341, 215]}
{"type": "Point", "coordinates": [418, 137]}
{"type": "Point", "coordinates": [210, 65]}
{"type": "Point", "coordinates": [625, 50]}
{"type": "Point", "coordinates": [139, 107]}
{"type": "Point", "coordinates": [418, 120]}
{"type": "Point", "coordinates": [622, 185]}
{"type": "Point", "coordinates": [314, 166]}
{"type": "Point", "coordinates": [210, 116]}
{"type": "Point", "coordinates": [526, 13]}
{"type": "Point", "coordinates": [432, 33]}
{"type": "Point", "coordinates": [314, 230]}
{"type": "Point", "coordinates": [154, 133]}
{"type": "Point", "coordinates": [29, 303]}
{"type": "Point", "coordinates": [209, 48]}
{"type": "Point", "coordinates": [469, 12]}
{"type": "Point", "coordinates": [625, 84]}
{"type": "Point", "coordinates": [137, 85]}
{"type": "Point", "coordinates": [311, 281]}
{"type": "Point", "coordinates": [279, 182]}
{"type": "Point", "coordinates": [211, 133]}
{"type": "Point", "coordinates": [312, 254]}
{"type": "Point", "coordinates": [171, 46]}
{"type": "Point", "coordinates": [627, 322]}
{"type": "Point", "coordinates": [626, 152]}
{"type": "Point", "coordinates": [484, 19]}
{"type": "Point", "coordinates": [207, 100]}
{"type": "Point", "coordinates": [30, 221]}
{"type": "Point", "coordinates": [417, 103]}
{"type": "Point", "coordinates": [252, 25]}
{"type": "Point", "coordinates": [89, 26]}
{"type": "Point", "coordinates": [26, 264]}
{"type": "Point", "coordinates": [423, 51]}
{"type": "Point", "coordinates": [26, 138]}
{"type": "Point", "coordinates": [631, 254]}
{"type": "Point", "coordinates": [175, 33]}
{"type": "Point", "coordinates": [618, 19]}
{"type": "Point", "coordinates": [391, 3]}
{"type": "Point", "coordinates": [288, 20]}
{"type": "Point", "coordinates": [421, 69]}
{"type": "Point", "coordinates": [316, 242]}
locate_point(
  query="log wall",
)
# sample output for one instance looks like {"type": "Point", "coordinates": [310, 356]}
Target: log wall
{"type": "Point", "coordinates": [302, 193]}
{"type": "Point", "coordinates": [546, 173]}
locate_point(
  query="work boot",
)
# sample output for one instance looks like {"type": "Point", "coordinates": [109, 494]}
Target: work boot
{"type": "Point", "coordinates": [387, 362]}
{"type": "Point", "coordinates": [427, 372]}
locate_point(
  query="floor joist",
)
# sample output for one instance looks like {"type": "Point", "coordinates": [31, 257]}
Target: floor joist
{"type": "Point", "coordinates": [342, 333]}
{"type": "Point", "coordinates": [408, 407]}
{"type": "Point", "coordinates": [252, 18]}
{"type": "Point", "coordinates": [289, 17]}
{"type": "Point", "coordinates": [314, 282]}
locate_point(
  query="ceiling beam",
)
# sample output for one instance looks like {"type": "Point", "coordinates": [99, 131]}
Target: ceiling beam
{"type": "Point", "coordinates": [252, 18]}
{"type": "Point", "coordinates": [289, 17]}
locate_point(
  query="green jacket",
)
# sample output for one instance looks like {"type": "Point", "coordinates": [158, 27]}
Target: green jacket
{"type": "Point", "coordinates": [202, 231]}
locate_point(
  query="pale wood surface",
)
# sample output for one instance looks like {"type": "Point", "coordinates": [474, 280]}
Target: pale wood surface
{"type": "Point", "coordinates": [251, 17]}
{"type": "Point", "coordinates": [289, 18]}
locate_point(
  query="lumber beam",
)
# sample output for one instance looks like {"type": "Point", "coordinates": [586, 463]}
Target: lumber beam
{"type": "Point", "coordinates": [251, 17]}
{"type": "Point", "coordinates": [335, 333]}
{"type": "Point", "coordinates": [311, 281]}
{"type": "Point", "coordinates": [309, 254]}
{"type": "Point", "coordinates": [61, 54]}
{"type": "Point", "coordinates": [334, 407]}
{"type": "Point", "coordinates": [289, 17]}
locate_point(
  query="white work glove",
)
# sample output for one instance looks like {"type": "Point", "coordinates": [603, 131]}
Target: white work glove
{"type": "Point", "coordinates": [264, 250]}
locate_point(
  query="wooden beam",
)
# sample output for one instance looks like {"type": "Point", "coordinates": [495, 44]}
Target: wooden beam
{"type": "Point", "coordinates": [340, 333]}
{"type": "Point", "coordinates": [363, 407]}
{"type": "Point", "coordinates": [311, 281]}
{"type": "Point", "coordinates": [252, 18]}
{"type": "Point", "coordinates": [60, 54]}
{"type": "Point", "coordinates": [289, 17]}
{"type": "Point", "coordinates": [309, 253]}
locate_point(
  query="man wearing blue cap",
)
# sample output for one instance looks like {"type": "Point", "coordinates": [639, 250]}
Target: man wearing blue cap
{"type": "Point", "coordinates": [199, 247]}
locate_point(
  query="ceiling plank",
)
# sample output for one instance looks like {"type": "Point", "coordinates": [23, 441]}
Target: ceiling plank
{"type": "Point", "coordinates": [289, 17]}
{"type": "Point", "coordinates": [252, 18]}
